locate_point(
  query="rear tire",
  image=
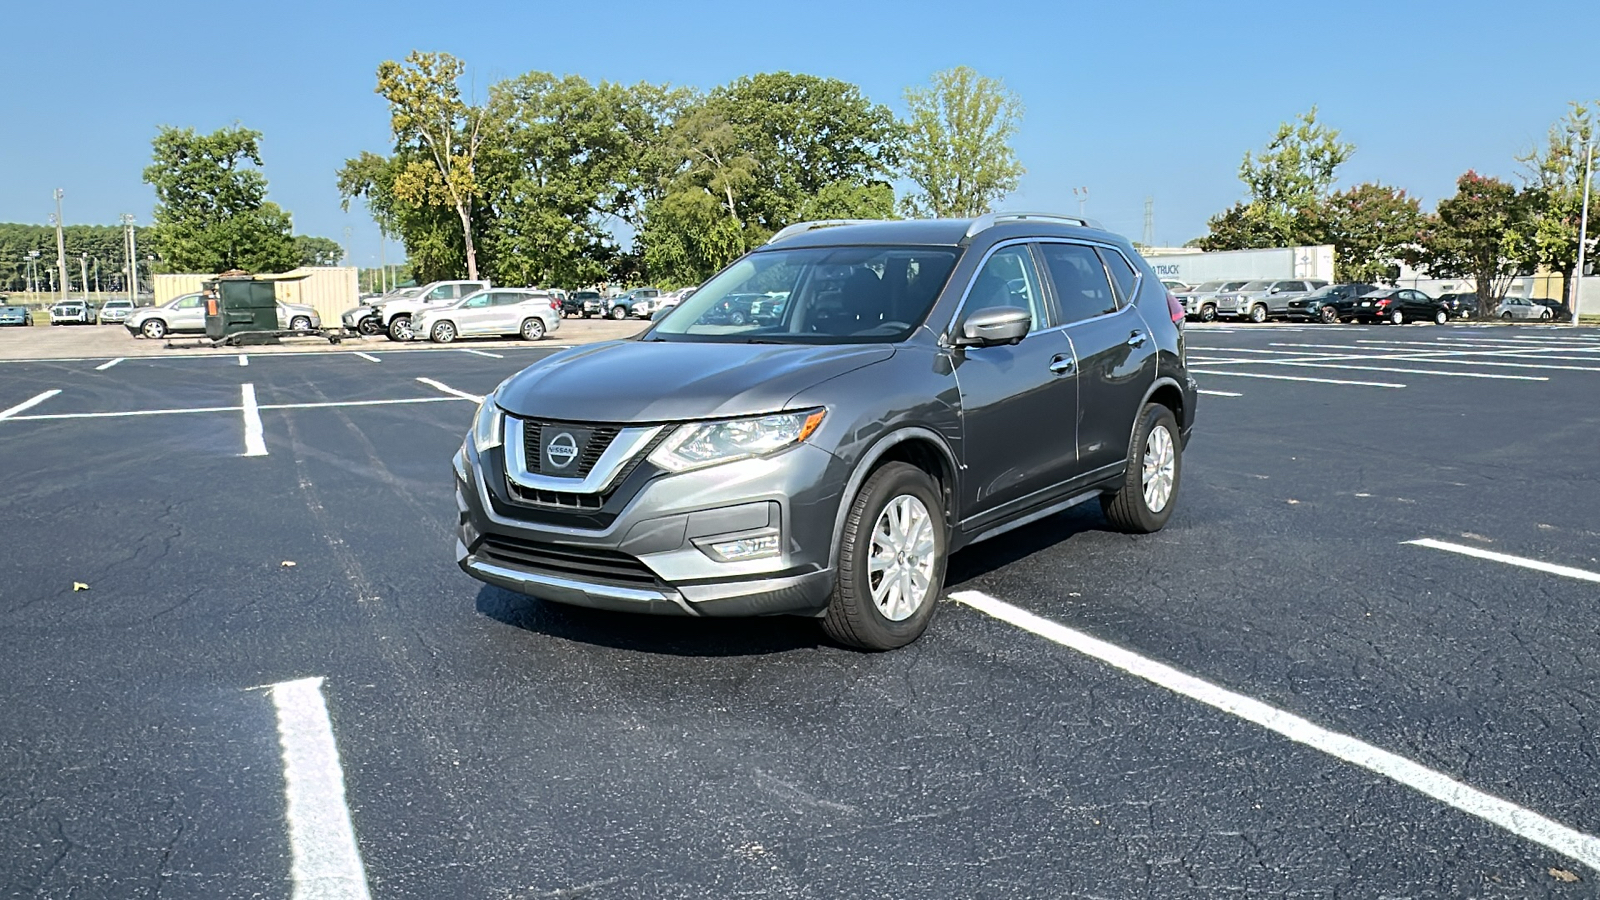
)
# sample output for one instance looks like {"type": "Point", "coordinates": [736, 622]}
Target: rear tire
{"type": "Point", "coordinates": [1154, 460]}
{"type": "Point", "coordinates": [371, 326]}
{"type": "Point", "coordinates": [1397, 318]}
{"type": "Point", "coordinates": [532, 330]}
{"type": "Point", "coordinates": [1506, 316]}
{"type": "Point", "coordinates": [903, 548]}
{"type": "Point", "coordinates": [1441, 317]}
{"type": "Point", "coordinates": [1544, 316]}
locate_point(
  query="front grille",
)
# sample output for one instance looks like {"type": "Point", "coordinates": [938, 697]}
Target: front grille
{"type": "Point", "coordinates": [569, 501]}
{"type": "Point", "coordinates": [592, 564]}
{"type": "Point", "coordinates": [599, 439]}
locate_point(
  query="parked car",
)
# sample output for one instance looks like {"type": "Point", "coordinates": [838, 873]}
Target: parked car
{"type": "Point", "coordinates": [1460, 306]}
{"type": "Point", "coordinates": [581, 303]}
{"type": "Point", "coordinates": [622, 306]}
{"type": "Point", "coordinates": [1522, 308]}
{"type": "Point", "coordinates": [1396, 306]}
{"type": "Point", "coordinates": [72, 312]}
{"type": "Point", "coordinates": [393, 317]}
{"type": "Point", "coordinates": [1258, 300]}
{"type": "Point", "coordinates": [1200, 303]}
{"type": "Point", "coordinates": [769, 307]}
{"type": "Point", "coordinates": [298, 317]}
{"type": "Point", "coordinates": [498, 312]}
{"type": "Point", "coordinates": [1558, 310]}
{"type": "Point", "coordinates": [116, 311]}
{"type": "Point", "coordinates": [14, 315]}
{"type": "Point", "coordinates": [1176, 287]}
{"type": "Point", "coordinates": [186, 313]}
{"type": "Point", "coordinates": [830, 462]}
{"type": "Point", "coordinates": [1322, 304]}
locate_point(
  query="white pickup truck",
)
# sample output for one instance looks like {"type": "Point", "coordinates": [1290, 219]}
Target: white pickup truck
{"type": "Point", "coordinates": [391, 314]}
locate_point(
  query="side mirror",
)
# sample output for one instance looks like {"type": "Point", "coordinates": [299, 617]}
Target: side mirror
{"type": "Point", "coordinates": [998, 325]}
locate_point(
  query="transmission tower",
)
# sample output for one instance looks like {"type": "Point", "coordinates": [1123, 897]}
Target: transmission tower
{"type": "Point", "coordinates": [1149, 221]}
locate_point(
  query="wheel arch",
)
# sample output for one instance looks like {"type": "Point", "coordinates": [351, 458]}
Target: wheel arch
{"type": "Point", "coordinates": [915, 444]}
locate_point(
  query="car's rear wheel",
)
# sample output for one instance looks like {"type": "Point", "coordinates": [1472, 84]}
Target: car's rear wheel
{"type": "Point", "coordinates": [533, 329]}
{"type": "Point", "coordinates": [1328, 315]}
{"type": "Point", "coordinates": [736, 318]}
{"type": "Point", "coordinates": [300, 323]}
{"type": "Point", "coordinates": [1144, 502]}
{"type": "Point", "coordinates": [1397, 317]}
{"type": "Point", "coordinates": [1208, 313]}
{"type": "Point", "coordinates": [155, 329]}
{"type": "Point", "coordinates": [1506, 316]}
{"type": "Point", "coordinates": [1441, 317]}
{"type": "Point", "coordinates": [1258, 314]}
{"type": "Point", "coordinates": [891, 561]}
{"type": "Point", "coordinates": [443, 333]}
{"type": "Point", "coordinates": [1544, 316]}
{"type": "Point", "coordinates": [619, 313]}
{"type": "Point", "coordinates": [400, 328]}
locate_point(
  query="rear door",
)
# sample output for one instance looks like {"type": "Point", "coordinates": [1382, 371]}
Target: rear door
{"type": "Point", "coordinates": [1019, 403]}
{"type": "Point", "coordinates": [1094, 289]}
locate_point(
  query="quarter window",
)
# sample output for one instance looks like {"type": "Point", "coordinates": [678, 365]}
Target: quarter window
{"type": "Point", "coordinates": [1007, 278]}
{"type": "Point", "coordinates": [1080, 280]}
{"type": "Point", "coordinates": [1122, 275]}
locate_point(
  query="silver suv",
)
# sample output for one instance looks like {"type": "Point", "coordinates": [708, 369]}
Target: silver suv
{"type": "Point", "coordinates": [926, 385]}
{"type": "Point", "coordinates": [1260, 300]}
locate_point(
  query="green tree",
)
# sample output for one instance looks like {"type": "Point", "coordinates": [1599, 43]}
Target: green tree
{"type": "Point", "coordinates": [1372, 227]}
{"type": "Point", "coordinates": [443, 133]}
{"type": "Point", "coordinates": [211, 208]}
{"type": "Point", "coordinates": [317, 251]}
{"type": "Point", "coordinates": [101, 244]}
{"type": "Point", "coordinates": [803, 133]}
{"type": "Point", "coordinates": [1288, 181]}
{"type": "Point", "coordinates": [687, 237]}
{"type": "Point", "coordinates": [431, 233]}
{"type": "Point", "coordinates": [958, 144]}
{"type": "Point", "coordinates": [1482, 233]}
{"type": "Point", "coordinates": [1553, 178]}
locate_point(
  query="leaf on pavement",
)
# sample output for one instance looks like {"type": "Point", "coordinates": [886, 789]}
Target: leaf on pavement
{"type": "Point", "coordinates": [79, 586]}
{"type": "Point", "coordinates": [287, 564]}
{"type": "Point", "coordinates": [1563, 875]}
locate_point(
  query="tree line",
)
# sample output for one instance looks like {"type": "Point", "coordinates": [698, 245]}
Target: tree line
{"type": "Point", "coordinates": [1490, 230]}
{"type": "Point", "coordinates": [535, 183]}
{"type": "Point", "coordinates": [102, 244]}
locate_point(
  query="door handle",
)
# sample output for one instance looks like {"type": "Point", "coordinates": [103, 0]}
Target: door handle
{"type": "Point", "coordinates": [1136, 339]}
{"type": "Point", "coordinates": [1061, 365]}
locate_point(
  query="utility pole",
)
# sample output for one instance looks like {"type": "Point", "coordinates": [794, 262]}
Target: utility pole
{"type": "Point", "coordinates": [61, 245]}
{"type": "Point", "coordinates": [1583, 228]}
{"type": "Point", "coordinates": [33, 272]}
{"type": "Point", "coordinates": [383, 263]}
{"type": "Point", "coordinates": [83, 270]}
{"type": "Point", "coordinates": [128, 256]}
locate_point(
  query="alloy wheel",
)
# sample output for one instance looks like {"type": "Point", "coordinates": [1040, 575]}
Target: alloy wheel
{"type": "Point", "coordinates": [900, 561]}
{"type": "Point", "coordinates": [1160, 468]}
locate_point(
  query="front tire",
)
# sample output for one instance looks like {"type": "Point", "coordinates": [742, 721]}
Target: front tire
{"type": "Point", "coordinates": [1208, 313]}
{"type": "Point", "coordinates": [1258, 314]}
{"type": "Point", "coordinates": [371, 326]}
{"type": "Point", "coordinates": [400, 328]}
{"type": "Point", "coordinates": [300, 323]}
{"type": "Point", "coordinates": [619, 313]}
{"type": "Point", "coordinates": [1328, 315]}
{"type": "Point", "coordinates": [1544, 316]}
{"type": "Point", "coordinates": [892, 559]}
{"type": "Point", "coordinates": [1144, 502]}
{"type": "Point", "coordinates": [154, 329]}
{"type": "Point", "coordinates": [533, 330]}
{"type": "Point", "coordinates": [736, 318]}
{"type": "Point", "coordinates": [1506, 316]}
{"type": "Point", "coordinates": [443, 333]}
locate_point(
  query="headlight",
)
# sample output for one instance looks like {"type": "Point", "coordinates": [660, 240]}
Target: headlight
{"type": "Point", "coordinates": [711, 443]}
{"type": "Point", "coordinates": [486, 425]}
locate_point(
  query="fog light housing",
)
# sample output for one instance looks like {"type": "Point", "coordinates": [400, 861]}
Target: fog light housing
{"type": "Point", "coordinates": [740, 549]}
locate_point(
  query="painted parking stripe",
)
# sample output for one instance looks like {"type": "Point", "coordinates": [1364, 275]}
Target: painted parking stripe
{"type": "Point", "coordinates": [29, 404]}
{"type": "Point", "coordinates": [329, 404]}
{"type": "Point", "coordinates": [1399, 371]}
{"type": "Point", "coordinates": [255, 443]}
{"type": "Point", "coordinates": [327, 861]}
{"type": "Point", "coordinates": [450, 390]}
{"type": "Point", "coordinates": [104, 366]}
{"type": "Point", "coordinates": [1507, 815]}
{"type": "Point", "coordinates": [1219, 393]}
{"type": "Point", "coordinates": [1536, 565]}
{"type": "Point", "coordinates": [483, 353]}
{"type": "Point", "coordinates": [1381, 384]}
{"type": "Point", "coordinates": [368, 356]}
{"type": "Point", "coordinates": [244, 360]}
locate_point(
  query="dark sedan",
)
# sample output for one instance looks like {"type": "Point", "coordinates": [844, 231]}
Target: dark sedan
{"type": "Point", "coordinates": [1322, 304]}
{"type": "Point", "coordinates": [1461, 306]}
{"type": "Point", "coordinates": [1396, 306]}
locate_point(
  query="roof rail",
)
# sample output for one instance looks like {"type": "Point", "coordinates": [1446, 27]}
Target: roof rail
{"type": "Point", "coordinates": [803, 227]}
{"type": "Point", "coordinates": [990, 220]}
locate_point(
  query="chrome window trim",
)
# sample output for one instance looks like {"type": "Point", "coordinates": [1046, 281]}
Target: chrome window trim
{"type": "Point", "coordinates": [628, 443]}
{"type": "Point", "coordinates": [949, 330]}
{"type": "Point", "coordinates": [1138, 282]}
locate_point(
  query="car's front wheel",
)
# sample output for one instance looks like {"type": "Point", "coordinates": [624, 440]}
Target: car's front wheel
{"type": "Point", "coordinates": [1208, 313]}
{"type": "Point", "coordinates": [533, 329]}
{"type": "Point", "coordinates": [891, 561]}
{"type": "Point", "coordinates": [1329, 315]}
{"type": "Point", "coordinates": [300, 323]}
{"type": "Point", "coordinates": [443, 333]}
{"type": "Point", "coordinates": [1506, 316]}
{"type": "Point", "coordinates": [1258, 314]}
{"type": "Point", "coordinates": [155, 329]}
{"type": "Point", "coordinates": [1143, 503]}
{"type": "Point", "coordinates": [1544, 316]}
{"type": "Point", "coordinates": [400, 328]}
{"type": "Point", "coordinates": [371, 326]}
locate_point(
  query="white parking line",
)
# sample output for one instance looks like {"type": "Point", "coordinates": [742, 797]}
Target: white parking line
{"type": "Point", "coordinates": [327, 861]}
{"type": "Point", "coordinates": [1381, 384]}
{"type": "Point", "coordinates": [368, 356]}
{"type": "Point", "coordinates": [450, 390]}
{"type": "Point", "coordinates": [1219, 393]}
{"type": "Point", "coordinates": [255, 443]}
{"type": "Point", "coordinates": [483, 353]}
{"type": "Point", "coordinates": [1536, 565]}
{"type": "Point", "coordinates": [104, 366]}
{"type": "Point", "coordinates": [216, 409]}
{"type": "Point", "coordinates": [1399, 371]}
{"type": "Point", "coordinates": [1503, 813]}
{"type": "Point", "coordinates": [29, 404]}
{"type": "Point", "coordinates": [244, 360]}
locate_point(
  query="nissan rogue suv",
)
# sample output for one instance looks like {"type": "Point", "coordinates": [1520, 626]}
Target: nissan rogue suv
{"type": "Point", "coordinates": [927, 385]}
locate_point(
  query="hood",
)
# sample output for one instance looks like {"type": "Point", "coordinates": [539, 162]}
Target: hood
{"type": "Point", "coordinates": [659, 381]}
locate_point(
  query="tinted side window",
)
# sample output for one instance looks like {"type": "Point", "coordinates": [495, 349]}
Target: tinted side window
{"type": "Point", "coordinates": [1007, 279]}
{"type": "Point", "coordinates": [1122, 275]}
{"type": "Point", "coordinates": [1080, 280]}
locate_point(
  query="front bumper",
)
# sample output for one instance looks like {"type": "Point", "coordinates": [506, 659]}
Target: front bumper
{"type": "Point", "coordinates": [649, 552]}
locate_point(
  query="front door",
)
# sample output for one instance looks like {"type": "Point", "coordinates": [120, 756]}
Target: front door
{"type": "Point", "coordinates": [1018, 402]}
{"type": "Point", "coordinates": [188, 314]}
{"type": "Point", "coordinates": [472, 316]}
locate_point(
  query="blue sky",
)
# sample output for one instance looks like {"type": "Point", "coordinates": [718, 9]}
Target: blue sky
{"type": "Point", "coordinates": [1131, 99]}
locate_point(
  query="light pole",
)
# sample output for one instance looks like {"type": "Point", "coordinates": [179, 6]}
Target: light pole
{"type": "Point", "coordinates": [1082, 193]}
{"type": "Point", "coordinates": [61, 245]}
{"type": "Point", "coordinates": [129, 255]}
{"type": "Point", "coordinates": [150, 266]}
{"type": "Point", "coordinates": [1583, 229]}
{"type": "Point", "coordinates": [33, 272]}
{"type": "Point", "coordinates": [83, 270]}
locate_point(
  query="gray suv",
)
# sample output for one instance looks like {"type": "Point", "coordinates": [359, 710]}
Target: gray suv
{"type": "Point", "coordinates": [928, 385]}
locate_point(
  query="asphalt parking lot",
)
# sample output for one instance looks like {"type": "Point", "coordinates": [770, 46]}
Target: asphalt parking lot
{"type": "Point", "coordinates": [1282, 694]}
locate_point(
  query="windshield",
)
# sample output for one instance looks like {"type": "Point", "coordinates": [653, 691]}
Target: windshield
{"type": "Point", "coordinates": [1210, 286]}
{"type": "Point", "coordinates": [1256, 286]}
{"type": "Point", "coordinates": [837, 295]}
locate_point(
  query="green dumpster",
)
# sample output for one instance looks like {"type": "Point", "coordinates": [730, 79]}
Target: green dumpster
{"type": "Point", "coordinates": [241, 311]}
